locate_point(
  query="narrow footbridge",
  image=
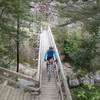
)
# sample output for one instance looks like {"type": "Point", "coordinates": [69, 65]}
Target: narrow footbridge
{"type": "Point", "coordinates": [55, 89]}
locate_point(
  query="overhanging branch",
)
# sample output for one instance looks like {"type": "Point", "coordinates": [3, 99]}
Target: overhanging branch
{"type": "Point", "coordinates": [2, 11]}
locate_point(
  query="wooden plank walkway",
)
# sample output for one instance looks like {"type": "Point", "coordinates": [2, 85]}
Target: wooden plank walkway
{"type": "Point", "coordinates": [9, 93]}
{"type": "Point", "coordinates": [49, 89]}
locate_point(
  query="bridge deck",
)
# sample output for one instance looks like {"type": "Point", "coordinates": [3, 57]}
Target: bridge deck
{"type": "Point", "coordinates": [9, 93]}
{"type": "Point", "coordinates": [49, 90]}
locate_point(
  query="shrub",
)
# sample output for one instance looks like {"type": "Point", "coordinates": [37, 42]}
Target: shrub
{"type": "Point", "coordinates": [86, 92]}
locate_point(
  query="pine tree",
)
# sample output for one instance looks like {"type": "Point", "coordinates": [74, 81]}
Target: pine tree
{"type": "Point", "coordinates": [13, 16]}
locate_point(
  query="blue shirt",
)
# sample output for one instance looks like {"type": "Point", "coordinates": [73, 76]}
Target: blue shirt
{"type": "Point", "coordinates": [50, 54]}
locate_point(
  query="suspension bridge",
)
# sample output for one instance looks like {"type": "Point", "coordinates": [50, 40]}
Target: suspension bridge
{"type": "Point", "coordinates": [55, 89]}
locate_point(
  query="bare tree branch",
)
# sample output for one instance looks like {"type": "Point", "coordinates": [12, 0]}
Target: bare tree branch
{"type": "Point", "coordinates": [2, 11]}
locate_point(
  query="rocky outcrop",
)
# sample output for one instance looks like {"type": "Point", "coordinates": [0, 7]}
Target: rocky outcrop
{"type": "Point", "coordinates": [29, 50]}
{"type": "Point", "coordinates": [74, 80]}
{"type": "Point", "coordinates": [71, 78]}
{"type": "Point", "coordinates": [49, 11]}
{"type": "Point", "coordinates": [68, 70]}
{"type": "Point", "coordinates": [25, 69]}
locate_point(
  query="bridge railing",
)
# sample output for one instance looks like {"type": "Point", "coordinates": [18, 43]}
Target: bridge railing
{"type": "Point", "coordinates": [39, 64]}
{"type": "Point", "coordinates": [62, 81]}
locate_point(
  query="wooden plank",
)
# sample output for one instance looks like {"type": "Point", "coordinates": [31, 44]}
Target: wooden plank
{"type": "Point", "coordinates": [39, 64]}
{"type": "Point", "coordinates": [50, 95]}
{"type": "Point", "coordinates": [33, 97]}
{"type": "Point", "coordinates": [4, 92]}
{"type": "Point", "coordinates": [39, 61]}
{"type": "Point", "coordinates": [49, 89]}
{"type": "Point", "coordinates": [36, 97]}
{"type": "Point", "coordinates": [48, 82]}
{"type": "Point", "coordinates": [7, 93]}
{"type": "Point", "coordinates": [1, 89]}
{"type": "Point", "coordinates": [48, 98]}
{"type": "Point", "coordinates": [25, 96]}
{"type": "Point", "coordinates": [18, 75]}
{"type": "Point", "coordinates": [29, 97]}
{"type": "Point", "coordinates": [18, 95]}
{"type": "Point", "coordinates": [49, 86]}
{"type": "Point", "coordinates": [12, 94]}
{"type": "Point", "coordinates": [21, 95]}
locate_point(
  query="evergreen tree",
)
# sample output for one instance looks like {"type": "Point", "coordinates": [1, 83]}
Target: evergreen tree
{"type": "Point", "coordinates": [13, 16]}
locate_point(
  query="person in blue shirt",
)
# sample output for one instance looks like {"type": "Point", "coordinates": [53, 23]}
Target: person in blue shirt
{"type": "Point", "coordinates": [50, 54]}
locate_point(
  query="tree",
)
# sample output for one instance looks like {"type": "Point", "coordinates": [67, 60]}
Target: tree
{"type": "Point", "coordinates": [88, 14]}
{"type": "Point", "coordinates": [12, 19]}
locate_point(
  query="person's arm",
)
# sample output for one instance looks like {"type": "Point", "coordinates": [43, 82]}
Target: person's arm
{"type": "Point", "coordinates": [55, 54]}
{"type": "Point", "coordinates": [45, 56]}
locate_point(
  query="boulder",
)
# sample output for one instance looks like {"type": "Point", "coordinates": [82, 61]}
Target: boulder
{"type": "Point", "coordinates": [73, 81]}
{"type": "Point", "coordinates": [27, 70]}
{"type": "Point", "coordinates": [97, 77]}
{"type": "Point", "coordinates": [25, 82]}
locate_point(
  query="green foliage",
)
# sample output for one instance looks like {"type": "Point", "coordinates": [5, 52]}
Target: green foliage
{"type": "Point", "coordinates": [38, 23]}
{"type": "Point", "coordinates": [71, 47]}
{"type": "Point", "coordinates": [62, 1]}
{"type": "Point", "coordinates": [80, 51]}
{"type": "Point", "coordinates": [4, 38]}
{"type": "Point", "coordinates": [35, 0]}
{"type": "Point", "coordinates": [15, 78]}
{"type": "Point", "coordinates": [82, 72]}
{"type": "Point", "coordinates": [31, 65]}
{"type": "Point", "coordinates": [60, 34]}
{"type": "Point", "coordinates": [86, 92]}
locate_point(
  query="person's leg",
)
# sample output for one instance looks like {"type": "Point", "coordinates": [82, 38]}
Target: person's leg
{"type": "Point", "coordinates": [47, 62]}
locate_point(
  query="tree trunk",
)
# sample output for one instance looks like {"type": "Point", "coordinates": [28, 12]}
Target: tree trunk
{"type": "Point", "coordinates": [18, 43]}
